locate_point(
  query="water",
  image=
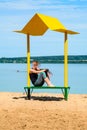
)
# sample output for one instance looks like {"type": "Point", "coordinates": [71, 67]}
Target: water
{"type": "Point", "coordinates": [13, 81]}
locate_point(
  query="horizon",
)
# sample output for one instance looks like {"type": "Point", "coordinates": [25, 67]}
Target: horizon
{"type": "Point", "coordinates": [42, 56]}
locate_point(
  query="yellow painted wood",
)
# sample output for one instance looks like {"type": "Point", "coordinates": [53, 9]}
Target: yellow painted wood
{"type": "Point", "coordinates": [65, 60]}
{"type": "Point", "coordinates": [40, 23]}
{"type": "Point", "coordinates": [28, 60]}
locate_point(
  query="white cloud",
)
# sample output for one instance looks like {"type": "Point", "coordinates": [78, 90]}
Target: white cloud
{"type": "Point", "coordinates": [20, 5]}
{"type": "Point", "coordinates": [79, 26]}
{"type": "Point", "coordinates": [38, 4]}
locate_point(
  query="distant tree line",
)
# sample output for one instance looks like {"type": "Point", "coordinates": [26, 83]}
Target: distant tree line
{"type": "Point", "coordinates": [46, 59]}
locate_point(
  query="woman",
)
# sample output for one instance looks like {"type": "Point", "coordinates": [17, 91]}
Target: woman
{"type": "Point", "coordinates": [39, 76]}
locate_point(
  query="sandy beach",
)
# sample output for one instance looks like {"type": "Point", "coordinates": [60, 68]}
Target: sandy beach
{"type": "Point", "coordinates": [42, 112]}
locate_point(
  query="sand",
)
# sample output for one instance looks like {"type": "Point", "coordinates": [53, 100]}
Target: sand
{"type": "Point", "coordinates": [42, 112]}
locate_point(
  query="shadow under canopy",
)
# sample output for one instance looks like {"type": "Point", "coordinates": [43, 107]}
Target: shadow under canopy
{"type": "Point", "coordinates": [37, 26]}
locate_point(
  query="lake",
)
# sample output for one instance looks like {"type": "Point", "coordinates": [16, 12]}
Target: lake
{"type": "Point", "coordinates": [13, 81]}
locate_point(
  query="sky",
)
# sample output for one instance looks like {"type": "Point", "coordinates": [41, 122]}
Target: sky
{"type": "Point", "coordinates": [14, 14]}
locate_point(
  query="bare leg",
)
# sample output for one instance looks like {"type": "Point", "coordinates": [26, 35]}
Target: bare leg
{"type": "Point", "coordinates": [48, 82]}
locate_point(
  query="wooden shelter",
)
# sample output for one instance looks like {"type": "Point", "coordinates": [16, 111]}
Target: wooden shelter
{"type": "Point", "coordinates": [37, 26]}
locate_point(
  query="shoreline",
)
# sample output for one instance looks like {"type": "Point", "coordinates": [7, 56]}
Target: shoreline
{"type": "Point", "coordinates": [41, 92]}
{"type": "Point", "coordinates": [56, 59]}
{"type": "Point", "coordinates": [43, 112]}
{"type": "Point", "coordinates": [45, 63]}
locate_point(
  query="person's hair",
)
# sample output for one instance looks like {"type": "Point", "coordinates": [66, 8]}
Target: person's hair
{"type": "Point", "coordinates": [36, 62]}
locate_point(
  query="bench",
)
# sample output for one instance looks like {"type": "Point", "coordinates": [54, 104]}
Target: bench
{"type": "Point", "coordinates": [65, 90]}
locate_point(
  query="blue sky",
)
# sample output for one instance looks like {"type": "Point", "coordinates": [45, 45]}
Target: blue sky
{"type": "Point", "coordinates": [14, 14]}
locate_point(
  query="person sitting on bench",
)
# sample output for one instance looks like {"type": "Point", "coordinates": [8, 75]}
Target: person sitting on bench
{"type": "Point", "coordinates": [39, 76]}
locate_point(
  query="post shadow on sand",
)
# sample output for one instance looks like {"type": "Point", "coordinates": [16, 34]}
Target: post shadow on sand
{"type": "Point", "coordinates": [41, 98]}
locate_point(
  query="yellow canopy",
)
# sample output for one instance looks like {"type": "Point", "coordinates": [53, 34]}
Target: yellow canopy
{"type": "Point", "coordinates": [40, 23]}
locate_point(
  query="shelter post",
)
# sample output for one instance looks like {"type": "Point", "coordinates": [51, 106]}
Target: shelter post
{"type": "Point", "coordinates": [66, 65]}
{"type": "Point", "coordinates": [28, 64]}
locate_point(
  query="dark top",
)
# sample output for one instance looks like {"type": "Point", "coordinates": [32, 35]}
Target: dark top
{"type": "Point", "coordinates": [33, 77]}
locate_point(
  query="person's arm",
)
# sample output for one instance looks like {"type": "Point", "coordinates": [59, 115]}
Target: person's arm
{"type": "Point", "coordinates": [36, 71]}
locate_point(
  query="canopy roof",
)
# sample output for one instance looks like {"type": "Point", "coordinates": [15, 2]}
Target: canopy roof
{"type": "Point", "coordinates": [40, 23]}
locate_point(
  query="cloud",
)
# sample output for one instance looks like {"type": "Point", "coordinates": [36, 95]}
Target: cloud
{"type": "Point", "coordinates": [80, 26]}
{"type": "Point", "coordinates": [38, 4]}
{"type": "Point", "coordinates": [19, 5]}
